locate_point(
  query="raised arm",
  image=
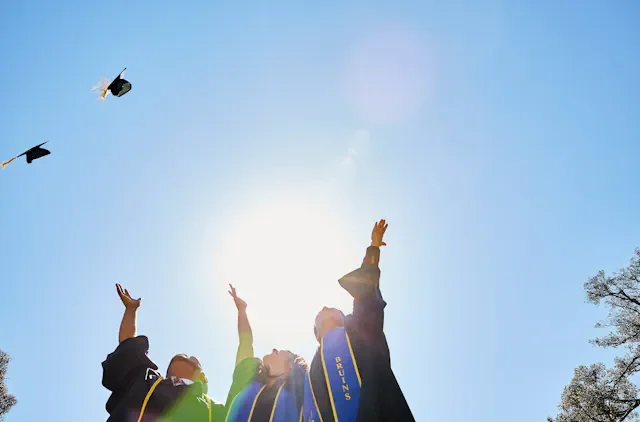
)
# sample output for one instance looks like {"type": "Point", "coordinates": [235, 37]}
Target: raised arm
{"type": "Point", "coordinates": [245, 335]}
{"type": "Point", "coordinates": [129, 360]}
{"type": "Point", "coordinates": [128, 324]}
{"type": "Point", "coordinates": [364, 285]}
{"type": "Point", "coordinates": [373, 251]}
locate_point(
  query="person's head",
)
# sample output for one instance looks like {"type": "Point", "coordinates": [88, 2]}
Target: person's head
{"type": "Point", "coordinates": [278, 363]}
{"type": "Point", "coordinates": [327, 319]}
{"type": "Point", "coordinates": [185, 366]}
{"type": "Point", "coordinates": [286, 365]}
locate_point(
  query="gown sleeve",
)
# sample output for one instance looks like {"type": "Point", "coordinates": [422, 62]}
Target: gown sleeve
{"type": "Point", "coordinates": [363, 285]}
{"type": "Point", "coordinates": [123, 364]}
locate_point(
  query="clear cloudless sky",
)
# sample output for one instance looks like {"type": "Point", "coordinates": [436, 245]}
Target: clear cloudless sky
{"type": "Point", "coordinates": [260, 142]}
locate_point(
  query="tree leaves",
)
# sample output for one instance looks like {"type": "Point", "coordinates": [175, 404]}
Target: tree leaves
{"type": "Point", "coordinates": [7, 401]}
{"type": "Point", "coordinates": [597, 393]}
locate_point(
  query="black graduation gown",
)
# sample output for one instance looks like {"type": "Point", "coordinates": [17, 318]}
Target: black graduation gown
{"type": "Point", "coordinates": [129, 374]}
{"type": "Point", "coordinates": [381, 399]}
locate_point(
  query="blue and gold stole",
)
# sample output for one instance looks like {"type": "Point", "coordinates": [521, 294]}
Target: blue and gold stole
{"type": "Point", "coordinates": [341, 376]}
{"type": "Point", "coordinates": [284, 406]}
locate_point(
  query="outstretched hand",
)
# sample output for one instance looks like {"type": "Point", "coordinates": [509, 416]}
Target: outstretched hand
{"type": "Point", "coordinates": [378, 233]}
{"type": "Point", "coordinates": [240, 304]}
{"type": "Point", "coordinates": [127, 300]}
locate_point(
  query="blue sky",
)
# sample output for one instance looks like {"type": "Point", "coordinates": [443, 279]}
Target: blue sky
{"type": "Point", "coordinates": [260, 142]}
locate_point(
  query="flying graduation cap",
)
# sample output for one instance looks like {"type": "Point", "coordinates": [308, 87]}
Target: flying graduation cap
{"type": "Point", "coordinates": [32, 154]}
{"type": "Point", "coordinates": [118, 87]}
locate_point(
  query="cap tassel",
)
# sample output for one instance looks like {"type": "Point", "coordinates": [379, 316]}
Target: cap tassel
{"type": "Point", "coordinates": [103, 86]}
{"type": "Point", "coordinates": [4, 163]}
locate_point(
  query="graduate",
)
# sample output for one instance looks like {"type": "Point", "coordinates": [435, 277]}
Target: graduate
{"type": "Point", "coordinates": [139, 393]}
{"type": "Point", "coordinates": [267, 390]}
{"type": "Point", "coordinates": [350, 378]}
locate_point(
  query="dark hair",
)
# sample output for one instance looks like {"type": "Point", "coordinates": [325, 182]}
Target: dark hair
{"type": "Point", "coordinates": [182, 358]}
{"type": "Point", "coordinates": [295, 379]}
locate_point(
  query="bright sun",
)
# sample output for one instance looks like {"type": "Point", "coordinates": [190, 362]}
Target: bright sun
{"type": "Point", "coordinates": [284, 260]}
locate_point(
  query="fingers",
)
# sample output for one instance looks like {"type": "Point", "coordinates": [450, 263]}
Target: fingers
{"type": "Point", "coordinates": [379, 229]}
{"type": "Point", "coordinates": [126, 292]}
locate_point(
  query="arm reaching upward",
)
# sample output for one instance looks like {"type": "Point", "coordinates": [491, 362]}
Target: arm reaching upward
{"type": "Point", "coordinates": [128, 323]}
{"type": "Point", "coordinates": [364, 285]}
{"type": "Point", "coordinates": [245, 335]}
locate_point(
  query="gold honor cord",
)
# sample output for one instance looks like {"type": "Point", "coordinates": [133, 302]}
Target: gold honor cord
{"type": "Point", "coordinates": [353, 358]}
{"type": "Point", "coordinates": [148, 396]}
{"type": "Point", "coordinates": [255, 401]}
{"type": "Point", "coordinates": [313, 394]}
{"type": "Point", "coordinates": [275, 402]}
{"type": "Point", "coordinates": [326, 378]}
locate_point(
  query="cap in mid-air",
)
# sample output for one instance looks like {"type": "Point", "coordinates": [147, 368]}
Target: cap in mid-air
{"type": "Point", "coordinates": [118, 87]}
{"type": "Point", "coordinates": [32, 154]}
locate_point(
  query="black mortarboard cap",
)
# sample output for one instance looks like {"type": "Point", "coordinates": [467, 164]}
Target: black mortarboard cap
{"type": "Point", "coordinates": [32, 154]}
{"type": "Point", "coordinates": [119, 86]}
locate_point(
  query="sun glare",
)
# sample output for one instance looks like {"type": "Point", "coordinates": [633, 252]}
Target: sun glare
{"type": "Point", "coordinates": [285, 260]}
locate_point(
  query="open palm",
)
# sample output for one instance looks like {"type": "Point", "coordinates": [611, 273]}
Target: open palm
{"type": "Point", "coordinates": [240, 304]}
{"type": "Point", "coordinates": [127, 300]}
{"type": "Point", "coordinates": [378, 233]}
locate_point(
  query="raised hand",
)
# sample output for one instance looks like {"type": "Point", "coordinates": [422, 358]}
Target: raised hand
{"type": "Point", "coordinates": [240, 304]}
{"type": "Point", "coordinates": [127, 300]}
{"type": "Point", "coordinates": [378, 233]}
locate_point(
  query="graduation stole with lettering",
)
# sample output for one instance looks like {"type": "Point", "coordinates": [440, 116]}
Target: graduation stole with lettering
{"type": "Point", "coordinates": [342, 377]}
{"type": "Point", "coordinates": [284, 407]}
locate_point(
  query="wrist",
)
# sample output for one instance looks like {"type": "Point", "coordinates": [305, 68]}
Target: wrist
{"type": "Point", "coordinates": [373, 254]}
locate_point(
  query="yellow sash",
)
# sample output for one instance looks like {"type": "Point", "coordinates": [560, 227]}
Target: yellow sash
{"type": "Point", "coordinates": [153, 387]}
